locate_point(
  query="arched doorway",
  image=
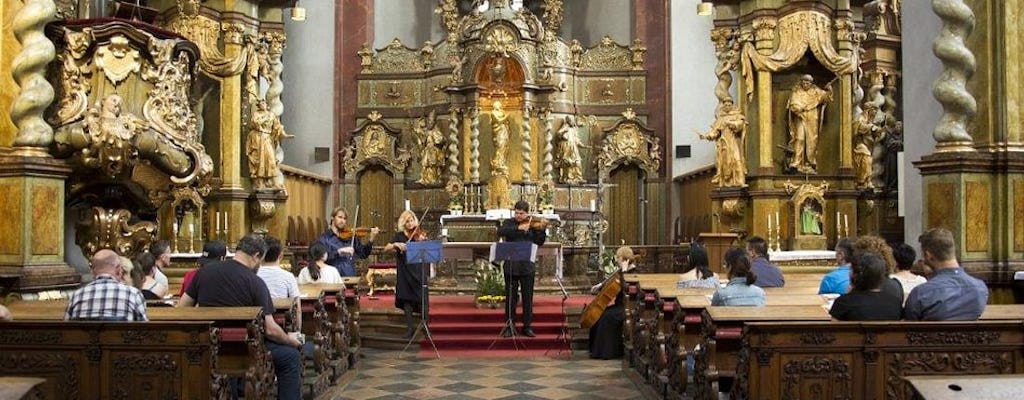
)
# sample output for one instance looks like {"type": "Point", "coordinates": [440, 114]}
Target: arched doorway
{"type": "Point", "coordinates": [624, 205]}
{"type": "Point", "coordinates": [376, 200]}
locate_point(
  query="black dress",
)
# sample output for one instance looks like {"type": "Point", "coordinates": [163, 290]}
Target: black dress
{"type": "Point", "coordinates": [408, 289]}
{"type": "Point", "coordinates": [606, 334]}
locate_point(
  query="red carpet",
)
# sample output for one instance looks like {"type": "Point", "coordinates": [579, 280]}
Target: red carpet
{"type": "Point", "coordinates": [460, 329]}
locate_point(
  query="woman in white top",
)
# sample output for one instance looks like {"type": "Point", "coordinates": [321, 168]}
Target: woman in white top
{"type": "Point", "coordinates": [319, 271]}
{"type": "Point", "coordinates": [905, 255]}
{"type": "Point", "coordinates": [699, 275]}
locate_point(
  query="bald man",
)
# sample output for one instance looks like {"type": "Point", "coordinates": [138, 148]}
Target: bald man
{"type": "Point", "coordinates": [106, 298]}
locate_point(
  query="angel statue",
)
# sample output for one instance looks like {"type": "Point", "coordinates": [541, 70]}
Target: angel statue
{"type": "Point", "coordinates": [431, 143]}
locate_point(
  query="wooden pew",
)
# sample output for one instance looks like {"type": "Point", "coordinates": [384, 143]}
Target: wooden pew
{"type": "Point", "coordinates": [24, 388]}
{"type": "Point", "coordinates": [111, 360]}
{"type": "Point", "coordinates": [951, 387]}
{"type": "Point", "coordinates": [340, 347]}
{"type": "Point", "coordinates": [862, 360]}
{"type": "Point", "coordinates": [316, 326]}
{"type": "Point", "coordinates": [286, 313]}
{"type": "Point", "coordinates": [238, 346]}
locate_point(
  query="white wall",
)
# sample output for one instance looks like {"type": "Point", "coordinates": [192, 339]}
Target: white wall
{"type": "Point", "coordinates": [693, 84]}
{"type": "Point", "coordinates": [411, 21]}
{"type": "Point", "coordinates": [309, 87]}
{"type": "Point", "coordinates": [591, 20]}
{"type": "Point", "coordinates": [920, 109]}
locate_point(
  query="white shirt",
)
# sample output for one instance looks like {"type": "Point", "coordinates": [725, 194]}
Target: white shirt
{"type": "Point", "coordinates": [282, 284]}
{"type": "Point", "coordinates": [908, 284]}
{"type": "Point", "coordinates": [328, 274]}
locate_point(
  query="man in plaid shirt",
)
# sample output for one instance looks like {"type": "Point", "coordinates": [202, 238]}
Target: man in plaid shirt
{"type": "Point", "coordinates": [106, 298]}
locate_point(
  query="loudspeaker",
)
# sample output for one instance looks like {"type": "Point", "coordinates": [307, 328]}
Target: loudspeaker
{"type": "Point", "coordinates": [683, 151]}
{"type": "Point", "coordinates": [321, 154]}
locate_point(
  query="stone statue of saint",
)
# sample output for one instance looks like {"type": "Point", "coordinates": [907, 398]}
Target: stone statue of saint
{"type": "Point", "coordinates": [806, 111]}
{"type": "Point", "coordinates": [499, 131]}
{"type": "Point", "coordinates": [867, 132]}
{"type": "Point", "coordinates": [727, 132]}
{"type": "Point", "coordinates": [265, 134]}
{"type": "Point", "coordinates": [431, 142]}
{"type": "Point", "coordinates": [810, 220]}
{"type": "Point", "coordinates": [570, 164]}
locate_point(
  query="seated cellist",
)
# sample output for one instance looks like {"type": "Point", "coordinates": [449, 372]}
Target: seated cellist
{"type": "Point", "coordinates": [606, 334]}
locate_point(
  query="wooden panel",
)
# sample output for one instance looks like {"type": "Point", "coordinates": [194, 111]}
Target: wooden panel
{"type": "Point", "coordinates": [46, 220]}
{"type": "Point", "coordinates": [977, 216]}
{"type": "Point", "coordinates": [694, 204]}
{"type": "Point", "coordinates": [307, 198]}
{"type": "Point", "coordinates": [10, 219]}
{"type": "Point", "coordinates": [623, 208]}
{"type": "Point", "coordinates": [940, 207]}
{"type": "Point", "coordinates": [376, 200]}
{"type": "Point", "coordinates": [1018, 216]}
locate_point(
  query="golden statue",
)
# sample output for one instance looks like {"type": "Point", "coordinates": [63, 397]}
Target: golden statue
{"type": "Point", "coordinates": [113, 132]}
{"type": "Point", "coordinates": [431, 143]}
{"type": "Point", "coordinates": [806, 111]}
{"type": "Point", "coordinates": [265, 136]}
{"type": "Point", "coordinates": [867, 131]}
{"type": "Point", "coordinates": [499, 130]}
{"type": "Point", "coordinates": [727, 131]}
{"type": "Point", "coordinates": [570, 164]}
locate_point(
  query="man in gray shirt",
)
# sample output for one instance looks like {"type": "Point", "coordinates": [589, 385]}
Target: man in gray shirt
{"type": "Point", "coordinates": [951, 294]}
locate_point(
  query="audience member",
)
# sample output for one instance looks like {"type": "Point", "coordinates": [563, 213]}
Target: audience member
{"type": "Point", "coordinates": [951, 294]}
{"type": "Point", "coordinates": [838, 281]}
{"type": "Point", "coordinates": [318, 270]}
{"type": "Point", "coordinates": [5, 314]}
{"type": "Point", "coordinates": [151, 289]}
{"type": "Point", "coordinates": [161, 251]}
{"type": "Point", "coordinates": [213, 251]}
{"type": "Point", "coordinates": [740, 291]}
{"type": "Point", "coordinates": [877, 245]}
{"type": "Point", "coordinates": [233, 283]}
{"type": "Point", "coordinates": [281, 284]}
{"type": "Point", "coordinates": [699, 274]}
{"type": "Point", "coordinates": [106, 298]}
{"type": "Point", "coordinates": [905, 256]}
{"type": "Point", "coordinates": [768, 274]}
{"type": "Point", "coordinates": [866, 300]}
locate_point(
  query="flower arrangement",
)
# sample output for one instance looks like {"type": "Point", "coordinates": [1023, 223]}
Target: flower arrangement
{"type": "Point", "coordinates": [456, 196]}
{"type": "Point", "coordinates": [546, 191]}
{"type": "Point", "coordinates": [490, 284]}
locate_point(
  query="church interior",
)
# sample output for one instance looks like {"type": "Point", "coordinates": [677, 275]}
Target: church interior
{"type": "Point", "coordinates": [666, 127]}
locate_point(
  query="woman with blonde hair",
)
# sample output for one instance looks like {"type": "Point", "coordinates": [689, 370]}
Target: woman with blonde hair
{"type": "Point", "coordinates": [409, 296]}
{"type": "Point", "coordinates": [606, 334]}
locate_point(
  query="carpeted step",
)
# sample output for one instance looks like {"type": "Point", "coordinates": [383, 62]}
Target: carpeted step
{"type": "Point", "coordinates": [459, 328]}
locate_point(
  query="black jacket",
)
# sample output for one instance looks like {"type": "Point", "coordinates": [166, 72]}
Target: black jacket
{"type": "Point", "coordinates": [510, 231]}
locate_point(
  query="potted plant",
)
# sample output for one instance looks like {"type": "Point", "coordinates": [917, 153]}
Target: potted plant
{"type": "Point", "coordinates": [490, 286]}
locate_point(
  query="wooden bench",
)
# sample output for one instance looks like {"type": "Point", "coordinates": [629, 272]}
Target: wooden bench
{"type": "Point", "coordinates": [953, 387]}
{"type": "Point", "coordinates": [861, 360]}
{"type": "Point", "coordinates": [239, 350]}
{"type": "Point", "coordinates": [112, 360]}
{"type": "Point", "coordinates": [342, 329]}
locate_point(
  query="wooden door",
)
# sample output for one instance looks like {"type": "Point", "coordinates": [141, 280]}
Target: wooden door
{"type": "Point", "coordinates": [622, 205]}
{"type": "Point", "coordinates": [376, 200]}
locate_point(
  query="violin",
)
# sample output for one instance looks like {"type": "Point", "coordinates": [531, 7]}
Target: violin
{"type": "Point", "coordinates": [539, 223]}
{"type": "Point", "coordinates": [416, 234]}
{"type": "Point", "coordinates": [347, 233]}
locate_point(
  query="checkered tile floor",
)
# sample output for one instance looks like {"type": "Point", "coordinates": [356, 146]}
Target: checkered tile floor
{"type": "Point", "coordinates": [383, 375]}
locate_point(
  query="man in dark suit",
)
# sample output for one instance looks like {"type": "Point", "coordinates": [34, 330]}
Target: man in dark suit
{"type": "Point", "coordinates": [520, 273]}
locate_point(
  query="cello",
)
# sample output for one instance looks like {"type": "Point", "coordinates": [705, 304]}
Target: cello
{"type": "Point", "coordinates": [609, 289]}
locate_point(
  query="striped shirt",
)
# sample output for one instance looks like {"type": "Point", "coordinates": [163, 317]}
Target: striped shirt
{"type": "Point", "coordinates": [105, 298]}
{"type": "Point", "coordinates": [282, 284]}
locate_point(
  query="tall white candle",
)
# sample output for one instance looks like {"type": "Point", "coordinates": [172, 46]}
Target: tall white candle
{"type": "Point", "coordinates": [226, 223]}
{"type": "Point", "coordinates": [191, 232]}
{"type": "Point", "coordinates": [846, 224]}
{"type": "Point", "coordinates": [769, 225]}
{"type": "Point", "coordinates": [839, 228]}
{"type": "Point", "coordinates": [593, 205]}
{"type": "Point", "coordinates": [407, 204]}
{"type": "Point", "coordinates": [777, 220]}
{"type": "Point", "coordinates": [217, 214]}
{"type": "Point", "coordinates": [175, 230]}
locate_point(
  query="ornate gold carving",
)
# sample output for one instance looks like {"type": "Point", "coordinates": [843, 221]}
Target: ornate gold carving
{"type": "Point", "coordinates": [867, 131]}
{"type": "Point", "coordinates": [117, 59]}
{"type": "Point", "coordinates": [502, 40]}
{"type": "Point", "coordinates": [639, 50]}
{"type": "Point", "coordinates": [727, 131]}
{"type": "Point", "coordinates": [262, 143]}
{"type": "Point", "coordinates": [396, 57]}
{"type": "Point", "coordinates": [430, 141]}
{"type": "Point", "coordinates": [570, 164]}
{"type": "Point", "coordinates": [808, 202]}
{"type": "Point", "coordinates": [607, 55]}
{"type": "Point", "coordinates": [106, 141]}
{"type": "Point", "coordinates": [727, 48]}
{"type": "Point", "coordinates": [764, 28]}
{"type": "Point", "coordinates": [427, 54]}
{"type": "Point", "coordinates": [75, 85]}
{"type": "Point", "coordinates": [553, 15]}
{"type": "Point", "coordinates": [262, 211]}
{"type": "Point", "coordinates": [365, 58]}
{"type": "Point", "coordinates": [629, 141]}
{"type": "Point", "coordinates": [375, 143]}
{"type": "Point", "coordinates": [29, 68]}
{"type": "Point", "coordinates": [110, 229]}
{"type": "Point", "coordinates": [67, 9]}
{"type": "Point", "coordinates": [448, 10]}
{"type": "Point", "coordinates": [206, 33]}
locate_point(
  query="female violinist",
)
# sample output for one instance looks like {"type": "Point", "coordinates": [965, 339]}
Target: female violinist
{"type": "Point", "coordinates": [409, 296]}
{"type": "Point", "coordinates": [344, 246]}
{"type": "Point", "coordinates": [606, 334]}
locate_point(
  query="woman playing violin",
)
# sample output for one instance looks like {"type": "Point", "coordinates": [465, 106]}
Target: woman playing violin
{"type": "Point", "coordinates": [344, 246]}
{"type": "Point", "coordinates": [408, 293]}
{"type": "Point", "coordinates": [606, 334]}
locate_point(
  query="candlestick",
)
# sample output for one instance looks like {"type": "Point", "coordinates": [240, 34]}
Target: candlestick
{"type": "Point", "coordinates": [217, 231]}
{"type": "Point", "coordinates": [769, 229]}
{"type": "Point", "coordinates": [846, 224]}
{"type": "Point", "coordinates": [407, 204]}
{"type": "Point", "coordinates": [593, 205]}
{"type": "Point", "coordinates": [174, 236]}
{"type": "Point", "coordinates": [777, 225]}
{"type": "Point", "coordinates": [191, 237]}
{"type": "Point", "coordinates": [839, 227]}
{"type": "Point", "coordinates": [226, 230]}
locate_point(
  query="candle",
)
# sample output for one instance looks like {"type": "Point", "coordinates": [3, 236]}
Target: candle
{"type": "Point", "coordinates": [777, 221]}
{"type": "Point", "coordinates": [444, 231]}
{"type": "Point", "coordinates": [839, 228]}
{"type": "Point", "coordinates": [593, 205]}
{"type": "Point", "coordinates": [769, 225]}
{"type": "Point", "coordinates": [407, 204]}
{"type": "Point", "coordinates": [846, 224]}
{"type": "Point", "coordinates": [191, 231]}
{"type": "Point", "coordinates": [175, 231]}
{"type": "Point", "coordinates": [218, 221]}
{"type": "Point", "coordinates": [226, 223]}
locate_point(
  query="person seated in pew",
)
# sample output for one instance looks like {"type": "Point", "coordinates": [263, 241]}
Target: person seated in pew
{"type": "Point", "coordinates": [866, 300]}
{"type": "Point", "coordinates": [106, 298]}
{"type": "Point", "coordinates": [699, 275]}
{"type": "Point", "coordinates": [740, 291]}
{"type": "Point", "coordinates": [838, 281]}
{"type": "Point", "coordinates": [5, 314]}
{"type": "Point", "coordinates": [905, 256]}
{"type": "Point", "coordinates": [319, 271]}
{"type": "Point", "coordinates": [161, 251]}
{"type": "Point", "coordinates": [768, 274]}
{"type": "Point", "coordinates": [233, 283]}
{"type": "Point", "coordinates": [951, 294]}
{"type": "Point", "coordinates": [145, 267]}
{"type": "Point", "coordinates": [281, 284]}
{"type": "Point", "coordinates": [877, 245]}
{"type": "Point", "coordinates": [606, 334]}
{"type": "Point", "coordinates": [213, 251]}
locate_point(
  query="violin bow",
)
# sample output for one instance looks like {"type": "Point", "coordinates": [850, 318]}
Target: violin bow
{"type": "Point", "coordinates": [355, 224]}
{"type": "Point", "coordinates": [418, 225]}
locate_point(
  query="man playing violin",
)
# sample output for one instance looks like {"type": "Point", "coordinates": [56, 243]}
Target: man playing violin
{"type": "Point", "coordinates": [522, 227]}
{"type": "Point", "coordinates": [408, 294]}
{"type": "Point", "coordinates": [343, 243]}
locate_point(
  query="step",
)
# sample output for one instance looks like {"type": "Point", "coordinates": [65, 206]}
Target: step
{"type": "Point", "coordinates": [439, 329]}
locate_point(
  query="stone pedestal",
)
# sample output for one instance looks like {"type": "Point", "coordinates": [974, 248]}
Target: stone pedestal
{"type": "Point", "coordinates": [32, 222]}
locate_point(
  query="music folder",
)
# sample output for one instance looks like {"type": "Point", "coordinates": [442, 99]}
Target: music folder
{"type": "Point", "coordinates": [514, 251]}
{"type": "Point", "coordinates": [426, 251]}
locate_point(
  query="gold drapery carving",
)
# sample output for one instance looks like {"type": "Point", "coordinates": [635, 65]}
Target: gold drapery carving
{"type": "Point", "coordinates": [798, 32]}
{"type": "Point", "coordinates": [206, 33]}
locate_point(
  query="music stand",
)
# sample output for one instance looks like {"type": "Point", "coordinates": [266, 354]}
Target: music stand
{"type": "Point", "coordinates": [563, 334]}
{"type": "Point", "coordinates": [511, 251]}
{"type": "Point", "coordinates": [423, 253]}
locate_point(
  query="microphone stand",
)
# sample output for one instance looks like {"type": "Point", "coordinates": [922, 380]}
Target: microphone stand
{"type": "Point", "coordinates": [563, 334]}
{"type": "Point", "coordinates": [510, 324]}
{"type": "Point", "coordinates": [424, 276]}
